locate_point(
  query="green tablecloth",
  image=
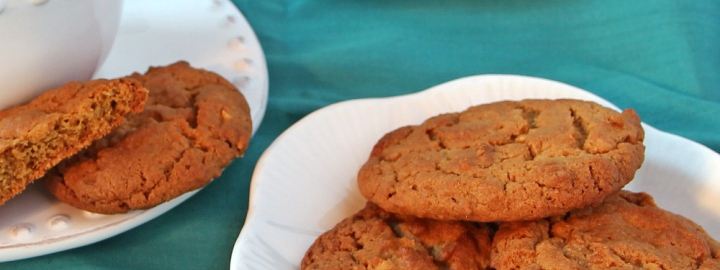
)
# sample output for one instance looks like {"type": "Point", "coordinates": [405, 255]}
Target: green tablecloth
{"type": "Point", "coordinates": [659, 57]}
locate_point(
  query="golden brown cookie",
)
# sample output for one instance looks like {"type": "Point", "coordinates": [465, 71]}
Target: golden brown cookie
{"type": "Point", "coordinates": [505, 161]}
{"type": "Point", "coordinates": [193, 125]}
{"type": "Point", "coordinates": [36, 136]}
{"type": "Point", "coordinates": [627, 231]}
{"type": "Point", "coordinates": [375, 239]}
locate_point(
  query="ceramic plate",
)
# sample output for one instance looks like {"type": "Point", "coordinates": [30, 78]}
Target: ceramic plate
{"type": "Point", "coordinates": [305, 182]}
{"type": "Point", "coordinates": [214, 35]}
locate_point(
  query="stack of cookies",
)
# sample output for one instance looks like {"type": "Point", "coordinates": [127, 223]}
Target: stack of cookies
{"type": "Point", "coordinates": [533, 184]}
{"type": "Point", "coordinates": [110, 146]}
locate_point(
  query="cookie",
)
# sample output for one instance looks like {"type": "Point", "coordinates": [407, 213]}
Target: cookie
{"type": "Point", "coordinates": [505, 161]}
{"type": "Point", "coordinates": [375, 239]}
{"type": "Point", "coordinates": [627, 231]}
{"type": "Point", "coordinates": [194, 123]}
{"type": "Point", "coordinates": [36, 136]}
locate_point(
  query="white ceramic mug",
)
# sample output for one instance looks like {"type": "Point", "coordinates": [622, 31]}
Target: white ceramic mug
{"type": "Point", "coordinates": [46, 43]}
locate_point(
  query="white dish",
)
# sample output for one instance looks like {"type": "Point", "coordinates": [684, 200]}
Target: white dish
{"type": "Point", "coordinates": [304, 183]}
{"type": "Point", "coordinates": [215, 36]}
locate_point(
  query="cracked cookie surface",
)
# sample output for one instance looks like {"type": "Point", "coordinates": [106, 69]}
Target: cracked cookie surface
{"type": "Point", "coordinates": [193, 125]}
{"type": "Point", "coordinates": [375, 239]}
{"type": "Point", "coordinates": [627, 231]}
{"type": "Point", "coordinates": [505, 161]}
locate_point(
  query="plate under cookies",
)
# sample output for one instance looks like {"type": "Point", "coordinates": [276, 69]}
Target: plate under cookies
{"type": "Point", "coordinates": [215, 36]}
{"type": "Point", "coordinates": [305, 182]}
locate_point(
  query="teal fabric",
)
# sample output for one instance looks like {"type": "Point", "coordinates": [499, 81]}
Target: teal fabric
{"type": "Point", "coordinates": [659, 57]}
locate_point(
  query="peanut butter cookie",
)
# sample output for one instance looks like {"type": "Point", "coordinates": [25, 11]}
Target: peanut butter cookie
{"type": "Point", "coordinates": [57, 124]}
{"type": "Point", "coordinates": [505, 161]}
{"type": "Point", "coordinates": [375, 239]}
{"type": "Point", "coordinates": [627, 231]}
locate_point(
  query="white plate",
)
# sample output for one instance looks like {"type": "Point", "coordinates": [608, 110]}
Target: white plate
{"type": "Point", "coordinates": [305, 182]}
{"type": "Point", "coordinates": [208, 34]}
